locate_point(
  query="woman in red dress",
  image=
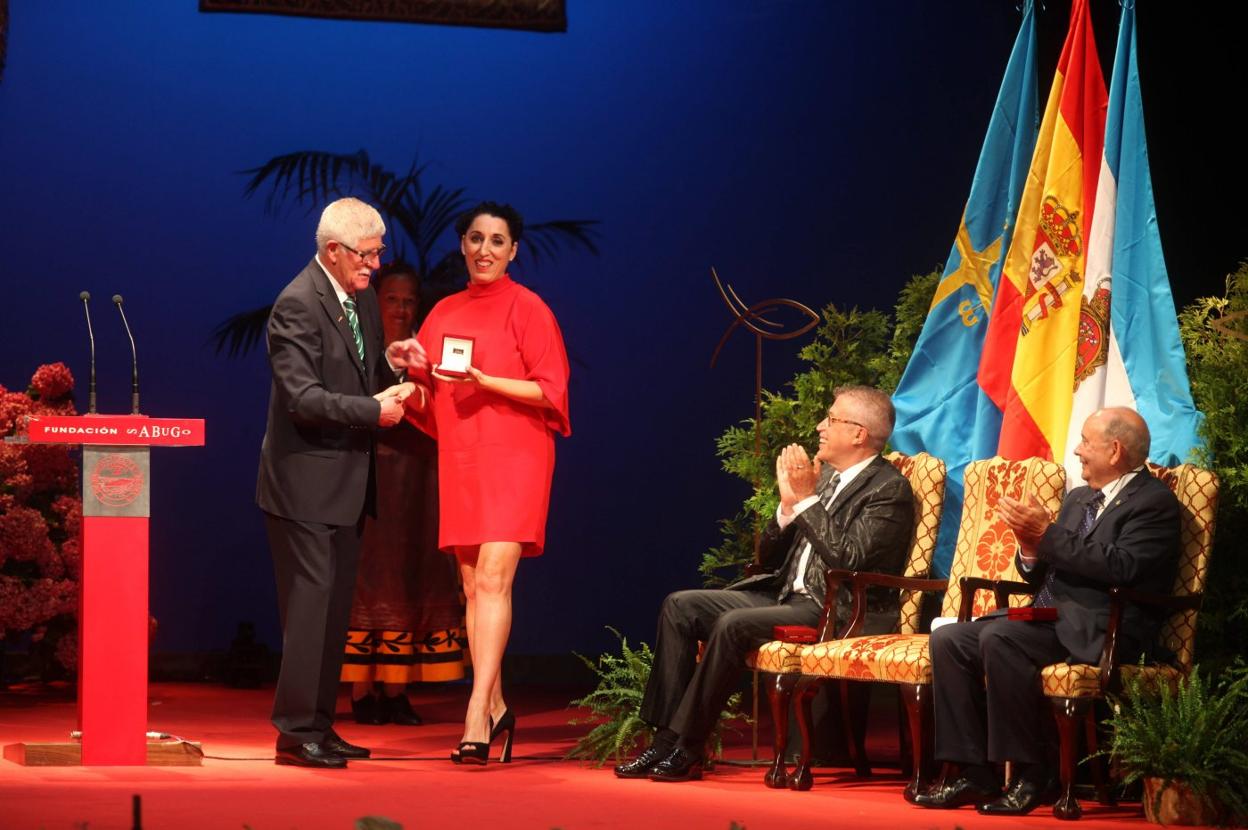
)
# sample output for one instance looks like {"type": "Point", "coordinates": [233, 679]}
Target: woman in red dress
{"type": "Point", "coordinates": [495, 427]}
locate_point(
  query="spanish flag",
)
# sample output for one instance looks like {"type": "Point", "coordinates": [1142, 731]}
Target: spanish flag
{"type": "Point", "coordinates": [1028, 363]}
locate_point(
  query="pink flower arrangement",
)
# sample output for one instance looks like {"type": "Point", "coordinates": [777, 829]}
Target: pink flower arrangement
{"type": "Point", "coordinates": [40, 523]}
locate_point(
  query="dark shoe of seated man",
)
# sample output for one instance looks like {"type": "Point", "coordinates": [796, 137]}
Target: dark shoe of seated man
{"type": "Point", "coordinates": [680, 765]}
{"type": "Point", "coordinates": [335, 744]}
{"type": "Point", "coordinates": [662, 745]}
{"type": "Point", "coordinates": [314, 755]}
{"type": "Point", "coordinates": [1033, 787]}
{"type": "Point", "coordinates": [976, 785]}
{"type": "Point", "coordinates": [641, 766]}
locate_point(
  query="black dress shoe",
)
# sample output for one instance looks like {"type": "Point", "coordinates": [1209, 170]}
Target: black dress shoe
{"type": "Point", "coordinates": [399, 710]}
{"type": "Point", "coordinates": [1021, 798]}
{"type": "Point", "coordinates": [640, 766]}
{"type": "Point", "coordinates": [957, 793]}
{"type": "Point", "coordinates": [314, 755]}
{"type": "Point", "coordinates": [335, 744]}
{"type": "Point", "coordinates": [679, 765]}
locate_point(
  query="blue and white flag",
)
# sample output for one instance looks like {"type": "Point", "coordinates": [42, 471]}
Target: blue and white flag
{"type": "Point", "coordinates": [1129, 351]}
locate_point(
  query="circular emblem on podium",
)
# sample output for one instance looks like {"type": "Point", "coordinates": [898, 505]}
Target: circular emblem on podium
{"type": "Point", "coordinates": [116, 480]}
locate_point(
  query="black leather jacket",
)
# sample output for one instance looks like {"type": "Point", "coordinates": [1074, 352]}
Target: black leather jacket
{"type": "Point", "coordinates": [867, 528]}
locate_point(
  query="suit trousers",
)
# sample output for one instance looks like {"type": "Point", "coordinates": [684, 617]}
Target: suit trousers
{"type": "Point", "coordinates": [686, 695]}
{"type": "Point", "coordinates": [315, 566]}
{"type": "Point", "coordinates": [988, 704]}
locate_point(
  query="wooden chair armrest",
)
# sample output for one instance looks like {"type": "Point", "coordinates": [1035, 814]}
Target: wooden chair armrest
{"type": "Point", "coordinates": [832, 579]}
{"type": "Point", "coordinates": [1119, 596]}
{"type": "Point", "coordinates": [1001, 589]}
{"type": "Point", "coordinates": [859, 582]}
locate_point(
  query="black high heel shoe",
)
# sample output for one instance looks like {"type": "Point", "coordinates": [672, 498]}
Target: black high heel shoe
{"type": "Point", "coordinates": [506, 723]}
{"type": "Point", "coordinates": [476, 752]}
{"type": "Point", "coordinates": [471, 752]}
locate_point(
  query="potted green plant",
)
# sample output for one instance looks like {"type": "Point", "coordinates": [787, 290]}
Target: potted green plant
{"type": "Point", "coordinates": [1189, 746]}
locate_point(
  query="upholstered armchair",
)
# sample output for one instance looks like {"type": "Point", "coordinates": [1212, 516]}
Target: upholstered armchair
{"type": "Point", "coordinates": [1074, 689]}
{"type": "Point", "coordinates": [985, 549]}
{"type": "Point", "coordinates": [780, 661]}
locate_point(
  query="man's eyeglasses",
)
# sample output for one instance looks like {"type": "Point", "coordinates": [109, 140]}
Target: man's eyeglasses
{"type": "Point", "coordinates": [834, 420]}
{"type": "Point", "coordinates": [365, 256]}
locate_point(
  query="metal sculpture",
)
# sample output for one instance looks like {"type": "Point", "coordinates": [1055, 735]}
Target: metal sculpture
{"type": "Point", "coordinates": [751, 317]}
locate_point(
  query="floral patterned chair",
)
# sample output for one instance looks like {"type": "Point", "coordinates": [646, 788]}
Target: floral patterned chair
{"type": "Point", "coordinates": [1074, 689]}
{"type": "Point", "coordinates": [781, 662]}
{"type": "Point", "coordinates": [985, 549]}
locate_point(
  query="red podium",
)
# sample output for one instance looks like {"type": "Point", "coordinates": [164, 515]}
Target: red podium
{"type": "Point", "coordinates": [113, 604]}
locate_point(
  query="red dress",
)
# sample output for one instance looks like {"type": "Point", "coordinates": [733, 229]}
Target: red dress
{"type": "Point", "coordinates": [496, 455]}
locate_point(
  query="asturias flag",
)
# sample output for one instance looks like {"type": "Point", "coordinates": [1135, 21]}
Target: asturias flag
{"type": "Point", "coordinates": [940, 407]}
{"type": "Point", "coordinates": [1029, 356]}
{"type": "Point", "coordinates": [1129, 351]}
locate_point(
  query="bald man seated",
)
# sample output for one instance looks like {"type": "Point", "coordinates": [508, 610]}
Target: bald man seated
{"type": "Point", "coordinates": [1122, 528]}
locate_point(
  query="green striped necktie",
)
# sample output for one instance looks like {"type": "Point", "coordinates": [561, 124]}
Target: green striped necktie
{"type": "Point", "coordinates": [354, 320]}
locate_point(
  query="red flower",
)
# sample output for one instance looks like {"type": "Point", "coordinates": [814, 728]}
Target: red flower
{"type": "Point", "coordinates": [13, 405]}
{"type": "Point", "coordinates": [50, 467]}
{"type": "Point", "coordinates": [12, 463]}
{"type": "Point", "coordinates": [24, 535]}
{"type": "Point", "coordinates": [69, 509]}
{"type": "Point", "coordinates": [44, 477]}
{"type": "Point", "coordinates": [52, 382]}
{"type": "Point", "coordinates": [71, 555]}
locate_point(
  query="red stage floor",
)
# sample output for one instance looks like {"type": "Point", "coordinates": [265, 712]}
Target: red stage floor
{"type": "Point", "coordinates": [535, 791]}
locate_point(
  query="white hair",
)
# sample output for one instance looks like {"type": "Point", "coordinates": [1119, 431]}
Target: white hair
{"type": "Point", "coordinates": [348, 221]}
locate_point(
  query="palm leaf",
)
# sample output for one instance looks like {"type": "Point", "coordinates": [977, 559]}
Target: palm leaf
{"type": "Point", "coordinates": [546, 239]}
{"type": "Point", "coordinates": [315, 177]}
{"type": "Point", "coordinates": [424, 218]}
{"type": "Point", "coordinates": [239, 333]}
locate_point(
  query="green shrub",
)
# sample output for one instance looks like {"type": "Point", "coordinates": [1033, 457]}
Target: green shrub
{"type": "Point", "coordinates": [850, 347]}
{"type": "Point", "coordinates": [615, 706]}
{"type": "Point", "coordinates": [1217, 366]}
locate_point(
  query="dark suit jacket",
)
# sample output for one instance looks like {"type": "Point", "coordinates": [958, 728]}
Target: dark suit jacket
{"type": "Point", "coordinates": [867, 528]}
{"type": "Point", "coordinates": [317, 455]}
{"type": "Point", "coordinates": [1134, 543]}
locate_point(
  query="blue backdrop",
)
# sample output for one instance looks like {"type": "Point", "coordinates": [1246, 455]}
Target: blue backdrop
{"type": "Point", "coordinates": [816, 150]}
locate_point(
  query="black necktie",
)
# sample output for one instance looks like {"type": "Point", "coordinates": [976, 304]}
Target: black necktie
{"type": "Point", "coordinates": [1044, 597]}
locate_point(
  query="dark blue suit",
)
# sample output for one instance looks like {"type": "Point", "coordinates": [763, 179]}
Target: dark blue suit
{"type": "Point", "coordinates": [986, 673]}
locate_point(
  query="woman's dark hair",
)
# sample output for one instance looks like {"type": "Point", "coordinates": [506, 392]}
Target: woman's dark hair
{"type": "Point", "coordinates": [515, 222]}
{"type": "Point", "coordinates": [395, 269]}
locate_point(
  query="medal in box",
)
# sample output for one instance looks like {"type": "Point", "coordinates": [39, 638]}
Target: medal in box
{"type": "Point", "coordinates": [456, 355]}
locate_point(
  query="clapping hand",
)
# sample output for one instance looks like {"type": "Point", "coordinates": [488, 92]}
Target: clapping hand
{"type": "Point", "coordinates": [796, 476]}
{"type": "Point", "coordinates": [1028, 520]}
{"type": "Point", "coordinates": [407, 354]}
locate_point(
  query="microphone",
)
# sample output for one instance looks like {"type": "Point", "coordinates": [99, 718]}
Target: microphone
{"type": "Point", "coordinates": [134, 358]}
{"type": "Point", "coordinates": [85, 296]}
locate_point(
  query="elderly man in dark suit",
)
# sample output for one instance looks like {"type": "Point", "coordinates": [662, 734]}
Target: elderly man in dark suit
{"type": "Point", "coordinates": [850, 509]}
{"type": "Point", "coordinates": [1122, 528]}
{"type": "Point", "coordinates": [316, 468]}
